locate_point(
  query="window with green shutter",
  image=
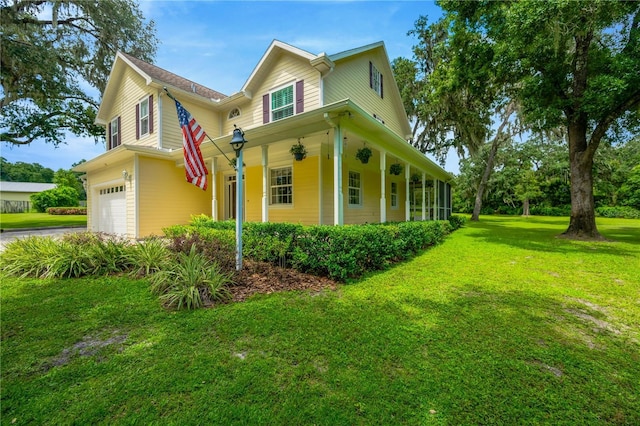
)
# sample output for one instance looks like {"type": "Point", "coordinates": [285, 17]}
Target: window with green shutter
{"type": "Point", "coordinates": [282, 103]}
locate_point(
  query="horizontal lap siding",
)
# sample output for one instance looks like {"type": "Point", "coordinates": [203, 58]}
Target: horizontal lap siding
{"type": "Point", "coordinates": [132, 91]}
{"type": "Point", "coordinates": [350, 79]}
{"type": "Point", "coordinates": [166, 198]}
{"type": "Point", "coordinates": [110, 177]}
{"type": "Point", "coordinates": [369, 212]}
{"type": "Point", "coordinates": [253, 196]}
{"type": "Point", "coordinates": [305, 195]}
{"type": "Point", "coordinates": [287, 69]}
{"type": "Point", "coordinates": [171, 132]}
{"type": "Point", "coordinates": [396, 214]}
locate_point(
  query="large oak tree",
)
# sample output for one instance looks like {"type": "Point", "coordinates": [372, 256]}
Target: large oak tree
{"type": "Point", "coordinates": [577, 63]}
{"type": "Point", "coordinates": [53, 53]}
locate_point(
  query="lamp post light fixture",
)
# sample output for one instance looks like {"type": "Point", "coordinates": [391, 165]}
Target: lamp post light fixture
{"type": "Point", "coordinates": [237, 143]}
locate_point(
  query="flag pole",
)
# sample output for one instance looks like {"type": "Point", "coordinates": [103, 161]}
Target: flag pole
{"type": "Point", "coordinates": [208, 137]}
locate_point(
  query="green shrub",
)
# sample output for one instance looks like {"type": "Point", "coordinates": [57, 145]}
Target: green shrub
{"type": "Point", "coordinates": [204, 221]}
{"type": "Point", "coordinates": [457, 221]}
{"type": "Point", "coordinates": [56, 197]}
{"type": "Point", "coordinates": [550, 211]}
{"type": "Point", "coordinates": [215, 244]}
{"type": "Point", "coordinates": [622, 212]}
{"type": "Point", "coordinates": [148, 256]}
{"type": "Point", "coordinates": [190, 281]}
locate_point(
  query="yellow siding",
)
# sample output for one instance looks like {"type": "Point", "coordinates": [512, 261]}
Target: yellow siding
{"type": "Point", "coordinates": [287, 69]}
{"type": "Point", "coordinates": [253, 194]}
{"type": "Point", "coordinates": [396, 214]}
{"type": "Point", "coordinates": [350, 79]}
{"type": "Point", "coordinates": [166, 198]}
{"type": "Point", "coordinates": [171, 133]}
{"type": "Point", "coordinates": [305, 195]}
{"type": "Point", "coordinates": [132, 90]}
{"type": "Point", "coordinates": [369, 211]}
{"type": "Point", "coordinates": [108, 177]}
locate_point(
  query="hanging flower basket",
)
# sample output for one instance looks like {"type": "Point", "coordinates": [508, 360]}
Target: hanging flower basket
{"type": "Point", "coordinates": [364, 154]}
{"type": "Point", "coordinates": [395, 169]}
{"type": "Point", "coordinates": [298, 151]}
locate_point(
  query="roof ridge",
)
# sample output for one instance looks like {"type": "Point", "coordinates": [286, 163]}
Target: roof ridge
{"type": "Point", "coordinates": [159, 73]}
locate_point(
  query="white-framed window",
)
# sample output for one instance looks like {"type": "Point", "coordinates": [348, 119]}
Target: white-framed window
{"type": "Point", "coordinates": [394, 195]}
{"type": "Point", "coordinates": [375, 80]}
{"type": "Point", "coordinates": [114, 133]}
{"type": "Point", "coordinates": [143, 119]}
{"type": "Point", "coordinates": [355, 189]}
{"type": "Point", "coordinates": [235, 112]}
{"type": "Point", "coordinates": [281, 184]}
{"type": "Point", "coordinates": [282, 103]}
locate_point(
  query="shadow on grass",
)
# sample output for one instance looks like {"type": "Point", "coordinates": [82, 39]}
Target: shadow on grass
{"type": "Point", "coordinates": [545, 236]}
{"type": "Point", "coordinates": [356, 356]}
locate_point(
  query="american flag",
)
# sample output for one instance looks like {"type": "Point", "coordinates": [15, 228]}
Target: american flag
{"type": "Point", "coordinates": [192, 136]}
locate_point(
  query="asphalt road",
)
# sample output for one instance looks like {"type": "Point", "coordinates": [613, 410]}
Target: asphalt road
{"type": "Point", "coordinates": [9, 235]}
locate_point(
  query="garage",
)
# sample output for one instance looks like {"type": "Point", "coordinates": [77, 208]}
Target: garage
{"type": "Point", "coordinates": [112, 210]}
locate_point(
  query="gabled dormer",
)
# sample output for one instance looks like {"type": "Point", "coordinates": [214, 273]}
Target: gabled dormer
{"type": "Point", "coordinates": [364, 76]}
{"type": "Point", "coordinates": [131, 107]}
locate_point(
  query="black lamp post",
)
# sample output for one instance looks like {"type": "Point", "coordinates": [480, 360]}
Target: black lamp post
{"type": "Point", "coordinates": [237, 143]}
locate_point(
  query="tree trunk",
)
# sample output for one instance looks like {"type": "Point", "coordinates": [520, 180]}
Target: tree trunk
{"type": "Point", "coordinates": [582, 224]}
{"type": "Point", "coordinates": [485, 177]}
{"type": "Point", "coordinates": [525, 207]}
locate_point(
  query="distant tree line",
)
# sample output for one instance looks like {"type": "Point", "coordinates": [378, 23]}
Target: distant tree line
{"type": "Point", "coordinates": [533, 177]}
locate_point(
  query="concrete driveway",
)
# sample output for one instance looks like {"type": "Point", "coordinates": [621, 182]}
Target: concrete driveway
{"type": "Point", "coordinates": [10, 234]}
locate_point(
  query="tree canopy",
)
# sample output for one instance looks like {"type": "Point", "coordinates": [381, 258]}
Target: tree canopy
{"type": "Point", "coordinates": [570, 65]}
{"type": "Point", "coordinates": [51, 51]}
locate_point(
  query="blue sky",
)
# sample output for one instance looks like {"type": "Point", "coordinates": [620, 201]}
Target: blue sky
{"type": "Point", "coordinates": [218, 44]}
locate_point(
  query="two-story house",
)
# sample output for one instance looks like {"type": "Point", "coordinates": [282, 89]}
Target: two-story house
{"type": "Point", "coordinates": [332, 104]}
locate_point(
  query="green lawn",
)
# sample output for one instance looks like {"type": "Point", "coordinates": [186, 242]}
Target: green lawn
{"type": "Point", "coordinates": [501, 324]}
{"type": "Point", "coordinates": [38, 220]}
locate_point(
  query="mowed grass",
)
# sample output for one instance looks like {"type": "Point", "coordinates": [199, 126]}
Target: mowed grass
{"type": "Point", "coordinates": [503, 323]}
{"type": "Point", "coordinates": [38, 220]}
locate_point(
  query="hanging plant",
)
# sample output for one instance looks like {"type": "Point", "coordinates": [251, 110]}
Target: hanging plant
{"type": "Point", "coordinates": [298, 151]}
{"type": "Point", "coordinates": [364, 154]}
{"type": "Point", "coordinates": [415, 178]}
{"type": "Point", "coordinates": [395, 169]}
{"type": "Point", "coordinates": [234, 161]}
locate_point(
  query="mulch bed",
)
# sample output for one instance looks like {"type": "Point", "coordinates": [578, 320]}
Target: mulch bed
{"type": "Point", "coordinates": [264, 278]}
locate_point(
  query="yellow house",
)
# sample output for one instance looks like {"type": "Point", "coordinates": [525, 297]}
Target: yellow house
{"type": "Point", "coordinates": [332, 104]}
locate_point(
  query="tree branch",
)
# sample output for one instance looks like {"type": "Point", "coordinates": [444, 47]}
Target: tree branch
{"type": "Point", "coordinates": [629, 103]}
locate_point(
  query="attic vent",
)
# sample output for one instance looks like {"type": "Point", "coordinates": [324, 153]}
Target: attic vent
{"type": "Point", "coordinates": [377, 117]}
{"type": "Point", "coordinates": [193, 88]}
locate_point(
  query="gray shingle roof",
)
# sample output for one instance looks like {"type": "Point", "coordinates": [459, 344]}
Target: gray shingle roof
{"type": "Point", "coordinates": [172, 79]}
{"type": "Point", "coordinates": [25, 186]}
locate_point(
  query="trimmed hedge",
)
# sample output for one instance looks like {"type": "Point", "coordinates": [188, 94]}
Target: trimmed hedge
{"type": "Point", "coordinates": [622, 212]}
{"type": "Point", "coordinates": [66, 210]}
{"type": "Point", "coordinates": [339, 252]}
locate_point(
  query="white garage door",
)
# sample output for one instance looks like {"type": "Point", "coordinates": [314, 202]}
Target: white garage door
{"type": "Point", "coordinates": [112, 210]}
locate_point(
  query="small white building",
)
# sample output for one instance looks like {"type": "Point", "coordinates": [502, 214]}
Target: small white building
{"type": "Point", "coordinates": [15, 196]}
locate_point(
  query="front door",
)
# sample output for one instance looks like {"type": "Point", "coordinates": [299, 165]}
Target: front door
{"type": "Point", "coordinates": [230, 191]}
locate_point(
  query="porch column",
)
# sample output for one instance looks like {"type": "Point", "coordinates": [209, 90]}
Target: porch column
{"type": "Point", "coordinates": [338, 204]}
{"type": "Point", "coordinates": [383, 187]}
{"type": "Point", "coordinates": [436, 202]}
{"type": "Point", "coordinates": [424, 197]}
{"type": "Point", "coordinates": [407, 201]}
{"type": "Point", "coordinates": [265, 183]}
{"type": "Point", "coordinates": [214, 189]}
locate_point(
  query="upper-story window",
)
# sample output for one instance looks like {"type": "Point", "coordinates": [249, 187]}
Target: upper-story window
{"type": "Point", "coordinates": [114, 133]}
{"type": "Point", "coordinates": [375, 80]}
{"type": "Point", "coordinates": [144, 117]}
{"type": "Point", "coordinates": [234, 113]}
{"type": "Point", "coordinates": [283, 102]}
